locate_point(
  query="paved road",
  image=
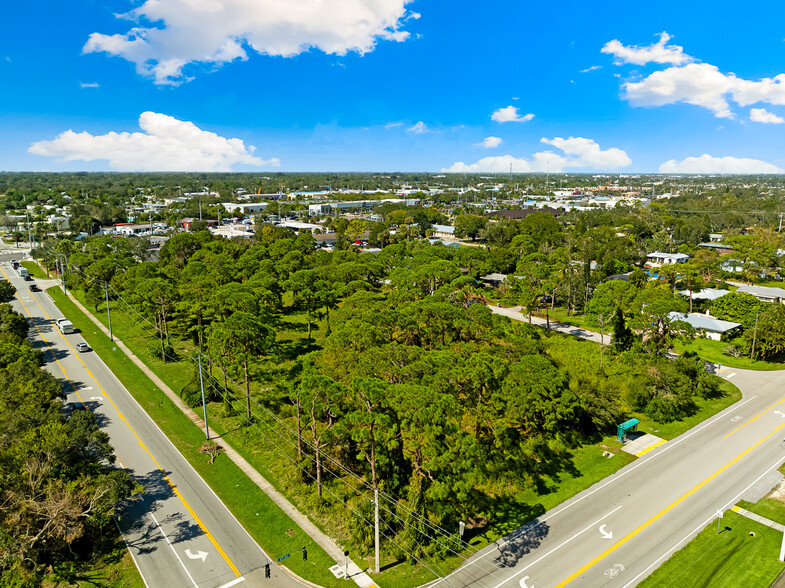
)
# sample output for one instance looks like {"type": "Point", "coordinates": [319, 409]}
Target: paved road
{"type": "Point", "coordinates": [618, 531]}
{"type": "Point", "coordinates": [516, 314]}
{"type": "Point", "coordinates": [179, 532]}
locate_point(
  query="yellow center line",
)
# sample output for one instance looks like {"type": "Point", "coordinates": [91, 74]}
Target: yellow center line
{"type": "Point", "coordinates": [171, 484]}
{"type": "Point", "coordinates": [667, 509]}
{"type": "Point", "coordinates": [755, 418]}
{"type": "Point", "coordinates": [48, 346]}
{"type": "Point", "coordinates": [655, 446]}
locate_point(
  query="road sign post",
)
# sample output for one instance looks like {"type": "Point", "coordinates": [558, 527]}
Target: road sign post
{"type": "Point", "coordinates": [719, 516]}
{"type": "Point", "coordinates": [782, 548]}
{"type": "Point", "coordinates": [345, 565]}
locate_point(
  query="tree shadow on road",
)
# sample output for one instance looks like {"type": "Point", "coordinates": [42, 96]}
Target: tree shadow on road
{"type": "Point", "coordinates": [521, 542]}
{"type": "Point", "coordinates": [134, 515]}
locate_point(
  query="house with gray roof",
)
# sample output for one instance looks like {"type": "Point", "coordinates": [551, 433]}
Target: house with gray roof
{"type": "Point", "coordinates": [764, 294]}
{"type": "Point", "coordinates": [705, 294]}
{"type": "Point", "coordinates": [707, 326]}
{"type": "Point", "coordinates": [442, 231]}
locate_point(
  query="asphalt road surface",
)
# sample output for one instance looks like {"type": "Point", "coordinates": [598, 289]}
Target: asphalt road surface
{"type": "Point", "coordinates": [179, 533]}
{"type": "Point", "coordinates": [618, 531]}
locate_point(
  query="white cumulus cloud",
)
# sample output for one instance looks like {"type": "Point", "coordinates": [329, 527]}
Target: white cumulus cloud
{"type": "Point", "coordinates": [700, 84]}
{"type": "Point", "coordinates": [216, 32]}
{"type": "Point", "coordinates": [707, 164]}
{"type": "Point", "coordinates": [418, 128]}
{"type": "Point", "coordinates": [762, 115]}
{"type": "Point", "coordinates": [510, 114]}
{"type": "Point", "coordinates": [491, 142]}
{"type": "Point", "coordinates": [167, 144]}
{"type": "Point", "coordinates": [577, 153]}
{"type": "Point", "coordinates": [659, 52]}
{"type": "Point", "coordinates": [84, 85]}
{"type": "Point", "coordinates": [587, 153]}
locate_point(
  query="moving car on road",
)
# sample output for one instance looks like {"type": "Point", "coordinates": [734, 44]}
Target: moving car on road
{"type": "Point", "coordinates": [65, 326]}
{"type": "Point", "coordinates": [34, 288]}
{"type": "Point", "coordinates": [82, 347]}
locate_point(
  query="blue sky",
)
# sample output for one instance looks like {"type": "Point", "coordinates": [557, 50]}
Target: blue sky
{"type": "Point", "coordinates": [383, 85]}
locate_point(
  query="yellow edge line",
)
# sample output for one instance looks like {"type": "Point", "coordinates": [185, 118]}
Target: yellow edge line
{"type": "Point", "coordinates": [655, 446]}
{"type": "Point", "coordinates": [174, 488]}
{"type": "Point", "coordinates": [755, 418]}
{"type": "Point", "coordinates": [668, 508]}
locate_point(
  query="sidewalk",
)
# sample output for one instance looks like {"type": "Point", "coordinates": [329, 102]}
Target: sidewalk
{"type": "Point", "coordinates": [758, 518]}
{"type": "Point", "coordinates": [333, 550]}
{"type": "Point", "coordinates": [515, 314]}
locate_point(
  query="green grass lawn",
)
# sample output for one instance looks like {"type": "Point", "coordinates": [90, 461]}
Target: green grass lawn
{"type": "Point", "coordinates": [269, 525]}
{"type": "Point", "coordinates": [35, 270]}
{"type": "Point", "coordinates": [577, 320]}
{"type": "Point", "coordinates": [712, 351]}
{"type": "Point", "coordinates": [731, 558]}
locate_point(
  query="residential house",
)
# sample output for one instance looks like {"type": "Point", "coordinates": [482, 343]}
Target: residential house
{"type": "Point", "coordinates": [764, 294]}
{"type": "Point", "coordinates": [707, 326]}
{"type": "Point", "coordinates": [658, 259]}
{"type": "Point", "coordinates": [443, 231]}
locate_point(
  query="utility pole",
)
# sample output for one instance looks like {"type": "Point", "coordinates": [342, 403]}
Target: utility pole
{"type": "Point", "coordinates": [376, 525]}
{"type": "Point", "coordinates": [780, 229]}
{"type": "Point", "coordinates": [108, 312]}
{"type": "Point", "coordinates": [62, 274]}
{"type": "Point", "coordinates": [754, 336]}
{"type": "Point", "coordinates": [204, 405]}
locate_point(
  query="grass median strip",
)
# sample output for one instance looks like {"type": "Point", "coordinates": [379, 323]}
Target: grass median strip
{"type": "Point", "coordinates": [264, 520]}
{"type": "Point", "coordinates": [734, 557]}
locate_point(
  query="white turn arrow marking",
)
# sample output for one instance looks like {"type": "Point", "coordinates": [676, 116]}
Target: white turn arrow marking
{"type": "Point", "coordinates": [87, 388]}
{"type": "Point", "coordinates": [782, 414]}
{"type": "Point", "coordinates": [606, 534]}
{"type": "Point", "coordinates": [96, 398]}
{"type": "Point", "coordinates": [523, 582]}
{"type": "Point", "coordinates": [199, 555]}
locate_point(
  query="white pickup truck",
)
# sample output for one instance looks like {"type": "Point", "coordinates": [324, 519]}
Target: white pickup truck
{"type": "Point", "coordinates": [65, 326]}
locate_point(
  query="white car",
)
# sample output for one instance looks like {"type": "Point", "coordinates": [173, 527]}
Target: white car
{"type": "Point", "coordinates": [82, 347]}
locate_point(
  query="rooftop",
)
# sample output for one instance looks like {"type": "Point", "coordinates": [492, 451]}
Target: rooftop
{"type": "Point", "coordinates": [703, 322]}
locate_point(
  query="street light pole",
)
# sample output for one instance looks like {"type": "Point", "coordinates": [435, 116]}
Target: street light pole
{"type": "Point", "coordinates": [376, 525]}
{"type": "Point", "coordinates": [204, 405]}
{"type": "Point", "coordinates": [108, 312]}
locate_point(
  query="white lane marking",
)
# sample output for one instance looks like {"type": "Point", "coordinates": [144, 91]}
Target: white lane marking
{"type": "Point", "coordinates": [702, 525]}
{"type": "Point", "coordinates": [233, 582]}
{"type": "Point", "coordinates": [190, 577]}
{"type": "Point", "coordinates": [143, 413]}
{"type": "Point", "coordinates": [198, 555]}
{"type": "Point", "coordinates": [605, 534]}
{"type": "Point", "coordinates": [613, 477]}
{"type": "Point", "coordinates": [523, 582]}
{"type": "Point", "coordinates": [782, 414]}
{"type": "Point", "coordinates": [128, 547]}
{"type": "Point", "coordinates": [536, 561]}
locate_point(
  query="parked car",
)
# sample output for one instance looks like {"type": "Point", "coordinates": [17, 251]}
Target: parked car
{"type": "Point", "coordinates": [28, 278]}
{"type": "Point", "coordinates": [82, 347]}
{"type": "Point", "coordinates": [34, 288]}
